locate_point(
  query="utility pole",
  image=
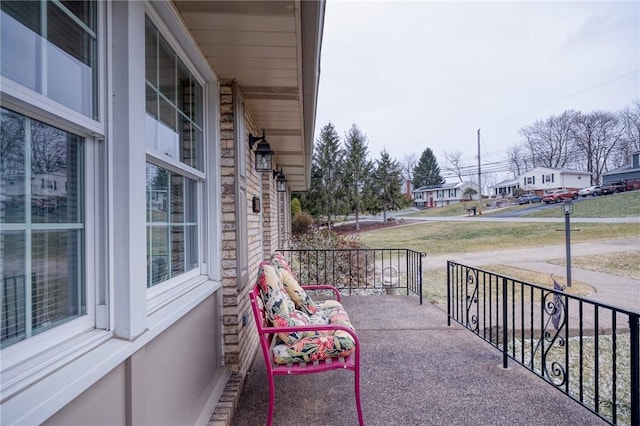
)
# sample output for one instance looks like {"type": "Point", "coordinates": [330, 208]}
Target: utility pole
{"type": "Point", "coordinates": [479, 175]}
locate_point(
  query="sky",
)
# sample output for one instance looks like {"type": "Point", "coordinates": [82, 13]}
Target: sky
{"type": "Point", "coordinates": [428, 74]}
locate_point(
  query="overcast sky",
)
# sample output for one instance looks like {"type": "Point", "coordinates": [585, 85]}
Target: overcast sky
{"type": "Point", "coordinates": [418, 74]}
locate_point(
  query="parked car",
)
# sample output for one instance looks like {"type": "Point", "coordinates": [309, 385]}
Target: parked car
{"type": "Point", "coordinates": [632, 184]}
{"type": "Point", "coordinates": [594, 191]}
{"type": "Point", "coordinates": [613, 187]}
{"type": "Point", "coordinates": [528, 199]}
{"type": "Point", "coordinates": [560, 195]}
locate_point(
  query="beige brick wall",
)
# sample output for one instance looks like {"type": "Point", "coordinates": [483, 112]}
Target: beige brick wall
{"type": "Point", "coordinates": [265, 231]}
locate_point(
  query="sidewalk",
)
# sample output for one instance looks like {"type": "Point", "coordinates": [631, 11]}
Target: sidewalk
{"type": "Point", "coordinates": [611, 289]}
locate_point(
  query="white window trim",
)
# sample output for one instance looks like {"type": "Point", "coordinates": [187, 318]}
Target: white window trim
{"type": "Point", "coordinates": [38, 391]}
{"type": "Point", "coordinates": [166, 20]}
{"type": "Point", "coordinates": [156, 158]}
{"type": "Point", "coordinates": [42, 342]}
{"type": "Point", "coordinates": [38, 107]}
{"type": "Point", "coordinates": [32, 356]}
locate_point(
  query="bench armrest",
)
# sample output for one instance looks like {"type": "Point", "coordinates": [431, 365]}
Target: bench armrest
{"type": "Point", "coordinates": [323, 287]}
{"type": "Point", "coordinates": [310, 327]}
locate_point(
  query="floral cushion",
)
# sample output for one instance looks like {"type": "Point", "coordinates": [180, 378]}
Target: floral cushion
{"type": "Point", "coordinates": [280, 311]}
{"type": "Point", "coordinates": [297, 294]}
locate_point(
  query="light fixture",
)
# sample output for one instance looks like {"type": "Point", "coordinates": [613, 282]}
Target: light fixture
{"type": "Point", "coordinates": [567, 207]}
{"type": "Point", "coordinates": [264, 154]}
{"type": "Point", "coordinates": [281, 181]}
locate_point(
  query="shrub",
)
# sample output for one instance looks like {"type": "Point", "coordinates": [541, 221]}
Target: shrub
{"type": "Point", "coordinates": [295, 207]}
{"type": "Point", "coordinates": [301, 223]}
{"type": "Point", "coordinates": [324, 239]}
{"type": "Point", "coordinates": [318, 264]}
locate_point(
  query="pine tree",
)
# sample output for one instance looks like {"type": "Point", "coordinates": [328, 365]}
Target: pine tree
{"type": "Point", "coordinates": [427, 171]}
{"type": "Point", "coordinates": [357, 171]}
{"type": "Point", "coordinates": [326, 174]}
{"type": "Point", "coordinates": [388, 184]}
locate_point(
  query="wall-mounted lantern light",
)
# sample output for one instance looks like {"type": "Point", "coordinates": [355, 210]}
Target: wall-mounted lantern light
{"type": "Point", "coordinates": [264, 154]}
{"type": "Point", "coordinates": [281, 181]}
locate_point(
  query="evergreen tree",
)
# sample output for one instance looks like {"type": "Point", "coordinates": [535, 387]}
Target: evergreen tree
{"type": "Point", "coordinates": [357, 171]}
{"type": "Point", "coordinates": [388, 184]}
{"type": "Point", "coordinates": [427, 171]}
{"type": "Point", "coordinates": [326, 174]}
{"type": "Point", "coordinates": [295, 206]}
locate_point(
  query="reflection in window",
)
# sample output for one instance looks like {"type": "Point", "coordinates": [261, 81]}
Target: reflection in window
{"type": "Point", "coordinates": [51, 48]}
{"type": "Point", "coordinates": [174, 102]}
{"type": "Point", "coordinates": [42, 237]}
{"type": "Point", "coordinates": [172, 229]}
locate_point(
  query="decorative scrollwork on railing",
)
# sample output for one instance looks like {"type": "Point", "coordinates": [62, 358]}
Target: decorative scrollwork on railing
{"type": "Point", "coordinates": [472, 300]}
{"type": "Point", "coordinates": [554, 350]}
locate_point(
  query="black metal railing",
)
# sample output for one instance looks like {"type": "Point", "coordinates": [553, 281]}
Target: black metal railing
{"type": "Point", "coordinates": [398, 271]}
{"type": "Point", "coordinates": [586, 349]}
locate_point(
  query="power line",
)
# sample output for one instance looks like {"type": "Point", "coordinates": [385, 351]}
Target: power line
{"type": "Point", "coordinates": [561, 99]}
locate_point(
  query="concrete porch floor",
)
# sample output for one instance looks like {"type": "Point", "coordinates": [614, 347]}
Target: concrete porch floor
{"type": "Point", "coordinates": [415, 370]}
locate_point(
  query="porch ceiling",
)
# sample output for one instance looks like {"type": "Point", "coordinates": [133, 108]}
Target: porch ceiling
{"type": "Point", "coordinates": [272, 49]}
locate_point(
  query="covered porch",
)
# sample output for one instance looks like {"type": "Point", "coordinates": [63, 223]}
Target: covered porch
{"type": "Point", "coordinates": [416, 370]}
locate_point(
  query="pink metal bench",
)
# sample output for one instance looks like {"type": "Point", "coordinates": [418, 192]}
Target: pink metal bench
{"type": "Point", "coordinates": [267, 335]}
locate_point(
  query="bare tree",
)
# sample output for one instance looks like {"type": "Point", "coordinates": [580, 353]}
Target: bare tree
{"type": "Point", "coordinates": [408, 163]}
{"type": "Point", "coordinates": [48, 149]}
{"type": "Point", "coordinates": [550, 141]}
{"type": "Point", "coordinates": [596, 136]}
{"type": "Point", "coordinates": [518, 162]}
{"type": "Point", "coordinates": [630, 142]}
{"type": "Point", "coordinates": [454, 159]}
{"type": "Point", "coordinates": [12, 143]}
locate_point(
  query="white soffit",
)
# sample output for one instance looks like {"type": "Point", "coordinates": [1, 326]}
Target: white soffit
{"type": "Point", "coordinates": [260, 45]}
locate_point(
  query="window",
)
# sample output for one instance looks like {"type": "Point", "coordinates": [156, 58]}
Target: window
{"type": "Point", "coordinates": [175, 161]}
{"type": "Point", "coordinates": [43, 228]}
{"type": "Point", "coordinates": [51, 48]}
{"type": "Point", "coordinates": [172, 238]}
{"type": "Point", "coordinates": [242, 241]}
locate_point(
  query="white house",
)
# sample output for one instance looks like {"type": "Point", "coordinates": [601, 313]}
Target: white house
{"type": "Point", "coordinates": [442, 195]}
{"type": "Point", "coordinates": [126, 301]}
{"type": "Point", "coordinates": [506, 188]}
{"type": "Point", "coordinates": [541, 179]}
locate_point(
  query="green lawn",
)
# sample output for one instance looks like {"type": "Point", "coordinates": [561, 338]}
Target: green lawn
{"type": "Point", "coordinates": [626, 204]}
{"type": "Point", "coordinates": [436, 238]}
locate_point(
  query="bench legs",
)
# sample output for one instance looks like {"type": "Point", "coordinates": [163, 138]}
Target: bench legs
{"type": "Point", "coordinates": [357, 391]}
{"type": "Point", "coordinates": [272, 397]}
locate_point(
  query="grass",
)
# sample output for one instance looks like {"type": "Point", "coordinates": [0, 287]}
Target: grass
{"type": "Point", "coordinates": [623, 264]}
{"type": "Point", "coordinates": [439, 238]}
{"type": "Point", "coordinates": [626, 204]}
{"type": "Point", "coordinates": [436, 238]}
{"type": "Point", "coordinates": [435, 281]}
{"type": "Point", "coordinates": [450, 210]}
{"type": "Point", "coordinates": [581, 365]}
